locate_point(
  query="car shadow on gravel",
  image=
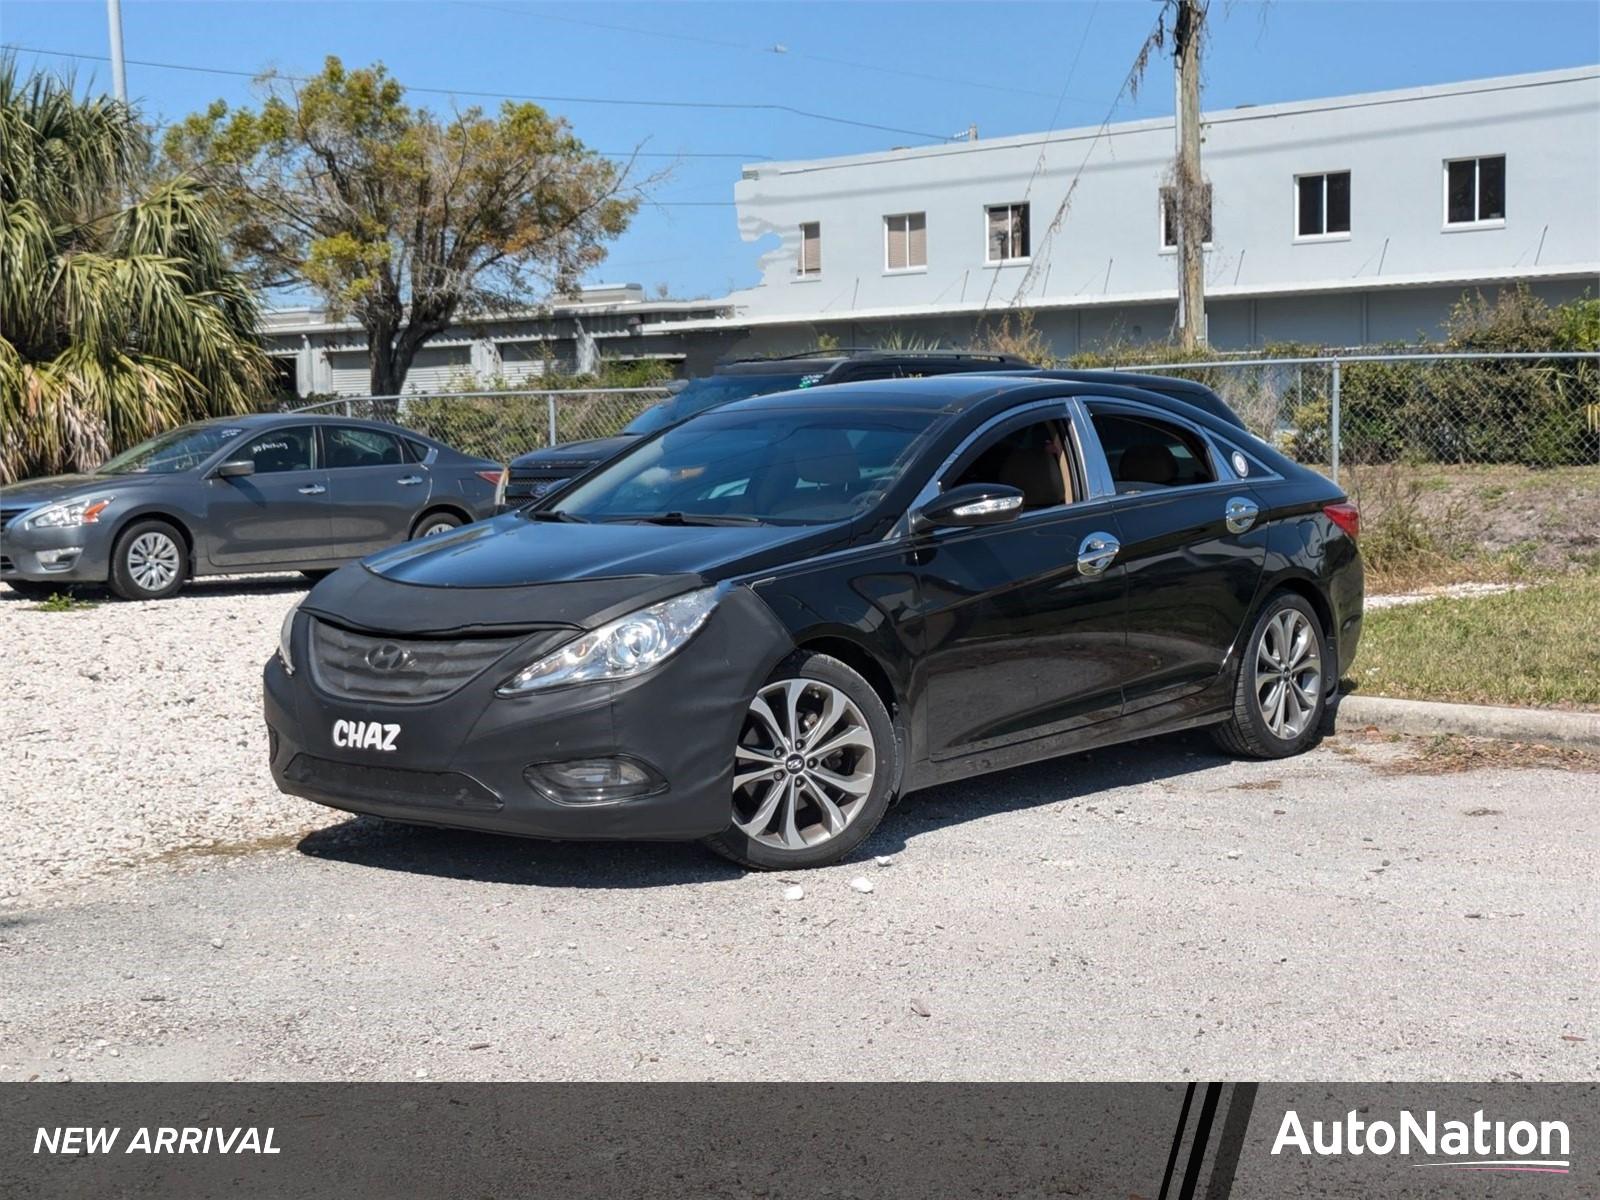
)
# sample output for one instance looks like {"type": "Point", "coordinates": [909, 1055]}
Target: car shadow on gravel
{"type": "Point", "coordinates": [493, 858]}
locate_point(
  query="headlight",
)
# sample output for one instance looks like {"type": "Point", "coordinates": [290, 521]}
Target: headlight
{"type": "Point", "coordinates": [628, 646]}
{"type": "Point", "coordinates": [70, 514]}
{"type": "Point", "coordinates": [285, 633]}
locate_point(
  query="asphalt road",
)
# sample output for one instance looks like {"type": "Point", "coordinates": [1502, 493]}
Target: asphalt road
{"type": "Point", "coordinates": [1150, 912]}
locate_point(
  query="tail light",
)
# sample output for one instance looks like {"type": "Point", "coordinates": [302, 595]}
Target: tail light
{"type": "Point", "coordinates": [1346, 516]}
{"type": "Point", "coordinates": [498, 478]}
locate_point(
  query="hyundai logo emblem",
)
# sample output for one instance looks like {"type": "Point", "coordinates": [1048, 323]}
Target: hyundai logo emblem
{"type": "Point", "coordinates": [386, 656]}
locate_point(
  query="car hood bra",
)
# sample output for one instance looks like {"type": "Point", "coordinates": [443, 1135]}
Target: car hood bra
{"type": "Point", "coordinates": [515, 574]}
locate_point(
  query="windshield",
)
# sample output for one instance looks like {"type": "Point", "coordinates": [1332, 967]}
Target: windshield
{"type": "Point", "coordinates": [177, 450]}
{"type": "Point", "coordinates": [793, 466]}
{"type": "Point", "coordinates": [710, 391]}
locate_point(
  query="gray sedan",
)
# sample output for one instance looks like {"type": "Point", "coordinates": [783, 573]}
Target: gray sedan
{"type": "Point", "coordinates": [266, 492]}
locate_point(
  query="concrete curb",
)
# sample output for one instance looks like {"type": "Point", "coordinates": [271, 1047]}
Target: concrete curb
{"type": "Point", "coordinates": [1580, 729]}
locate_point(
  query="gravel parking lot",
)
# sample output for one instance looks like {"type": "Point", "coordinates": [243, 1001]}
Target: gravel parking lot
{"type": "Point", "coordinates": [1370, 910]}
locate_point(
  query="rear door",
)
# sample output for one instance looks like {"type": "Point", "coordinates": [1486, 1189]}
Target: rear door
{"type": "Point", "coordinates": [1020, 641]}
{"type": "Point", "coordinates": [375, 490]}
{"type": "Point", "coordinates": [277, 516]}
{"type": "Point", "coordinates": [1191, 575]}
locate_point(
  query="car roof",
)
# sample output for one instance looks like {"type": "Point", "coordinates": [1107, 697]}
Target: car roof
{"type": "Point", "coordinates": [960, 392]}
{"type": "Point", "coordinates": [258, 420]}
{"type": "Point", "coordinates": [812, 361]}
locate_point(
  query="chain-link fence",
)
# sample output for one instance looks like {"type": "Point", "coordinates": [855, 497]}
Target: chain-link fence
{"type": "Point", "coordinates": [1531, 410]}
{"type": "Point", "coordinates": [1465, 465]}
{"type": "Point", "coordinates": [502, 425]}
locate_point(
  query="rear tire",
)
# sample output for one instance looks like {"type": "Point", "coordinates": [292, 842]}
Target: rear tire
{"type": "Point", "coordinates": [435, 523]}
{"type": "Point", "coordinates": [1280, 697]}
{"type": "Point", "coordinates": [149, 562]}
{"type": "Point", "coordinates": [792, 808]}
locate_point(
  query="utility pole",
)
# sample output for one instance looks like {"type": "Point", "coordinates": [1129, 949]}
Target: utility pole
{"type": "Point", "coordinates": [1193, 213]}
{"type": "Point", "coordinates": [119, 74]}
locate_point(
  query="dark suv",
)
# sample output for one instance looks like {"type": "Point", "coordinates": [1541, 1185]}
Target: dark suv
{"type": "Point", "coordinates": [539, 471]}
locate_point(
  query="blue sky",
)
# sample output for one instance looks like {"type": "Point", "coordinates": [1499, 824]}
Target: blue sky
{"type": "Point", "coordinates": [923, 70]}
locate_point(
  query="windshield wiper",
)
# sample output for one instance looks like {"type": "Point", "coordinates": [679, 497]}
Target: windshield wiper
{"type": "Point", "coordinates": [545, 514]}
{"type": "Point", "coordinates": [681, 518]}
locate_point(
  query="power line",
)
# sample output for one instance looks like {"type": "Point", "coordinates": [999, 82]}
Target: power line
{"type": "Point", "coordinates": [437, 91]}
{"type": "Point", "coordinates": [777, 51]}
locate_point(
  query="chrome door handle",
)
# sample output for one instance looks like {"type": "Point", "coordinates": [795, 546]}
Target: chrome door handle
{"type": "Point", "coordinates": [1096, 553]}
{"type": "Point", "coordinates": [1241, 514]}
{"type": "Point", "coordinates": [409, 480]}
{"type": "Point", "coordinates": [312, 489]}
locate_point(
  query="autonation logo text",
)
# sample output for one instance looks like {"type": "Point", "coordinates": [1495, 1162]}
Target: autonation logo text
{"type": "Point", "coordinates": [1480, 1144]}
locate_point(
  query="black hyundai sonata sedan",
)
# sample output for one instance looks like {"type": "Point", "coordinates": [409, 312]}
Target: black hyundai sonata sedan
{"type": "Point", "coordinates": [761, 627]}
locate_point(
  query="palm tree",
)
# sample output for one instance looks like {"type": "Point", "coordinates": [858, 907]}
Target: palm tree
{"type": "Point", "coordinates": [119, 313]}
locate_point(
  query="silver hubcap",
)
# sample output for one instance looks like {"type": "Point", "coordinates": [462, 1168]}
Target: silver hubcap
{"type": "Point", "coordinates": [1288, 674]}
{"type": "Point", "coordinates": [804, 765]}
{"type": "Point", "coordinates": [153, 561]}
{"type": "Point", "coordinates": [437, 527]}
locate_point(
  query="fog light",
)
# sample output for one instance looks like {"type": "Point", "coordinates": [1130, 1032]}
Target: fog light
{"type": "Point", "coordinates": [594, 780]}
{"type": "Point", "coordinates": [59, 560]}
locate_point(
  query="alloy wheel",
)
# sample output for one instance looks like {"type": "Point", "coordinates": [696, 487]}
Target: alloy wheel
{"type": "Point", "coordinates": [153, 561]}
{"type": "Point", "coordinates": [1288, 674]}
{"type": "Point", "coordinates": [804, 766]}
{"type": "Point", "coordinates": [437, 527]}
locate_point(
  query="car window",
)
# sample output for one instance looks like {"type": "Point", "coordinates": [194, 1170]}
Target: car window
{"type": "Point", "coordinates": [350, 446]}
{"type": "Point", "coordinates": [419, 450]}
{"type": "Point", "coordinates": [1146, 453]}
{"type": "Point", "coordinates": [168, 453]}
{"type": "Point", "coordinates": [1033, 458]}
{"type": "Point", "coordinates": [280, 450]}
{"type": "Point", "coordinates": [783, 466]}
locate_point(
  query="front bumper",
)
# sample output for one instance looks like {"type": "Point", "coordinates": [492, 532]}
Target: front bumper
{"type": "Point", "coordinates": [459, 761]}
{"type": "Point", "coordinates": [81, 554]}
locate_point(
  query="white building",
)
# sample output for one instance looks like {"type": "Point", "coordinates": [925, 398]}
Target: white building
{"type": "Point", "coordinates": [316, 355]}
{"type": "Point", "coordinates": [1342, 222]}
{"type": "Point", "coordinates": [1347, 221]}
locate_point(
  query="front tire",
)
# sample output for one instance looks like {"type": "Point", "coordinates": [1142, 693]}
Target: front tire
{"type": "Point", "coordinates": [149, 562]}
{"type": "Point", "coordinates": [814, 768]}
{"type": "Point", "coordinates": [1281, 693]}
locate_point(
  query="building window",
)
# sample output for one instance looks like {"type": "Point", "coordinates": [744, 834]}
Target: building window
{"type": "Point", "coordinates": [1169, 218]}
{"type": "Point", "coordinates": [905, 242]}
{"type": "Point", "coordinates": [1008, 232]}
{"type": "Point", "coordinates": [1322, 205]}
{"type": "Point", "coordinates": [1475, 190]}
{"type": "Point", "coordinates": [810, 249]}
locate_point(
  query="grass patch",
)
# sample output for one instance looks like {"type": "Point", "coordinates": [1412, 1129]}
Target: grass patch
{"type": "Point", "coordinates": [1539, 646]}
{"type": "Point", "coordinates": [64, 602]}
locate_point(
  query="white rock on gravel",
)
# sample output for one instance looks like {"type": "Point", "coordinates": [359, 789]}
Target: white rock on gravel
{"type": "Point", "coordinates": [134, 730]}
{"type": "Point", "coordinates": [861, 884]}
{"type": "Point", "coordinates": [794, 892]}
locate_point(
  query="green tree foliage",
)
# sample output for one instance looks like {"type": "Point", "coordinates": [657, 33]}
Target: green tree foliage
{"type": "Point", "coordinates": [122, 316]}
{"type": "Point", "coordinates": [396, 217]}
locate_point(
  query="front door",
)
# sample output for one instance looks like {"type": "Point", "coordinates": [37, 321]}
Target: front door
{"type": "Point", "coordinates": [1191, 579]}
{"type": "Point", "coordinates": [278, 515]}
{"type": "Point", "coordinates": [1020, 642]}
{"type": "Point", "coordinates": [375, 492]}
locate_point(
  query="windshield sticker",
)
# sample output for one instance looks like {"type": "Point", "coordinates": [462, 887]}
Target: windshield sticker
{"type": "Point", "coordinates": [1241, 464]}
{"type": "Point", "coordinates": [260, 446]}
{"type": "Point", "coordinates": [231, 433]}
{"type": "Point", "coordinates": [808, 380]}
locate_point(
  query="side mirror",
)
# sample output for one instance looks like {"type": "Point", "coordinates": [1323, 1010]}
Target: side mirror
{"type": "Point", "coordinates": [233, 470]}
{"type": "Point", "coordinates": [968, 505]}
